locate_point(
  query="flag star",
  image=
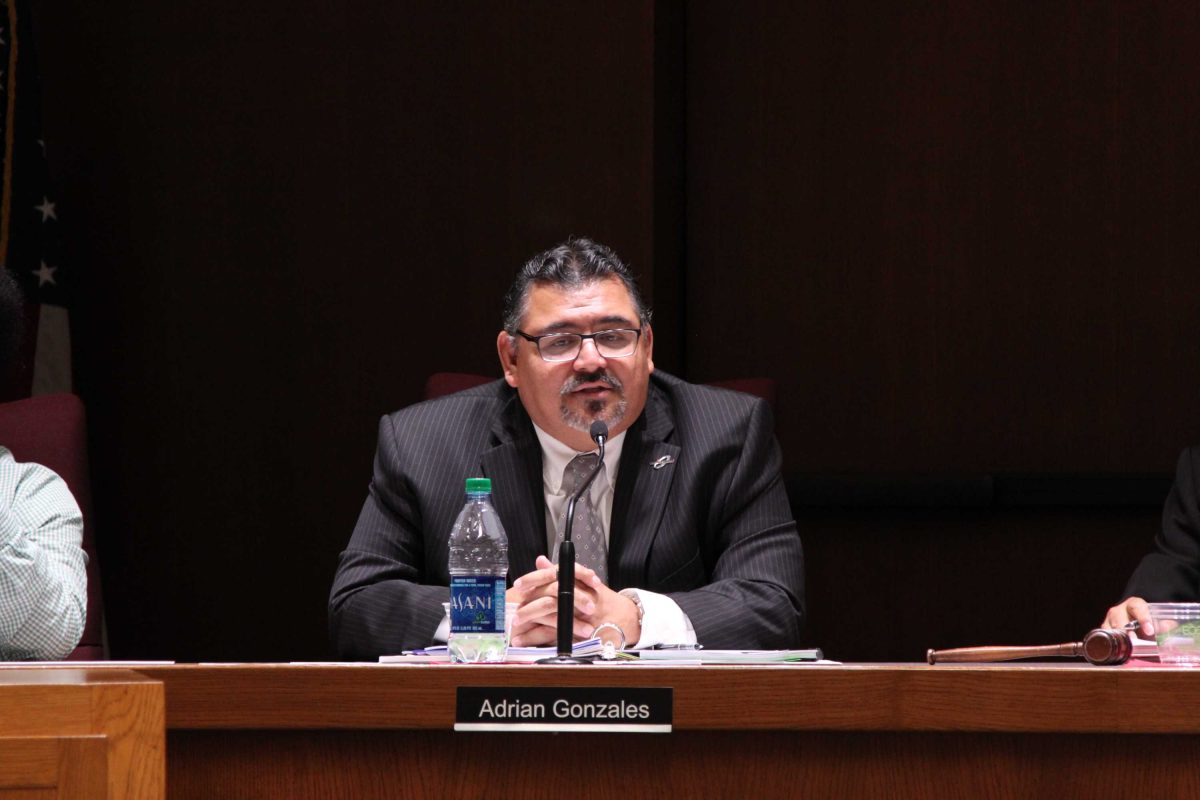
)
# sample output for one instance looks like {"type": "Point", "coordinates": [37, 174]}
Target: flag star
{"type": "Point", "coordinates": [45, 274]}
{"type": "Point", "coordinates": [47, 209]}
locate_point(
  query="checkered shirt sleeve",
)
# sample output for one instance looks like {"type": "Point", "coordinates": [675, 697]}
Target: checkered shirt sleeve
{"type": "Point", "coordinates": [43, 580]}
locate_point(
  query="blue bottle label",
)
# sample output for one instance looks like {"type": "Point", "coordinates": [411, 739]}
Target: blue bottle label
{"type": "Point", "coordinates": [476, 604]}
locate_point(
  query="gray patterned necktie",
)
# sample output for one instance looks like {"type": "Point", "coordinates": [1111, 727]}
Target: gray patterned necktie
{"type": "Point", "coordinates": [587, 532]}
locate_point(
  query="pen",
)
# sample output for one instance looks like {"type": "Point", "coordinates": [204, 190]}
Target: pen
{"type": "Point", "coordinates": [677, 647]}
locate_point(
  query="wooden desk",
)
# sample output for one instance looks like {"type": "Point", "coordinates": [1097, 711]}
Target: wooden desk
{"type": "Point", "coordinates": [81, 733]}
{"type": "Point", "coordinates": [367, 732]}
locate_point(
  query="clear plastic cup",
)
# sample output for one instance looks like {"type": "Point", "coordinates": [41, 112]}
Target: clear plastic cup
{"type": "Point", "coordinates": [1177, 631]}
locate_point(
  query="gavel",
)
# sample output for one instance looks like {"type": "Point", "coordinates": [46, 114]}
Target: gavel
{"type": "Point", "coordinates": [1103, 646]}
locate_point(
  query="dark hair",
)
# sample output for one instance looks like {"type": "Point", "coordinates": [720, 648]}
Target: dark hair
{"type": "Point", "coordinates": [12, 316]}
{"type": "Point", "coordinates": [575, 262]}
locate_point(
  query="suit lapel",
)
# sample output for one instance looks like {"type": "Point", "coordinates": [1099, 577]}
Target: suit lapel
{"type": "Point", "coordinates": [641, 492]}
{"type": "Point", "coordinates": [514, 464]}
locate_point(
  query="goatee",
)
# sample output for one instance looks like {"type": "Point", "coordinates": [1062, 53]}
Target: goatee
{"type": "Point", "coordinates": [611, 411]}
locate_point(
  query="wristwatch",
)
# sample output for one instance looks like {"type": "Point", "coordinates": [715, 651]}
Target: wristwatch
{"type": "Point", "coordinates": [633, 595]}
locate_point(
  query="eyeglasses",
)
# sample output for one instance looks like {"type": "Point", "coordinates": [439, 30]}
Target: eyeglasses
{"type": "Point", "coordinates": [616, 343]}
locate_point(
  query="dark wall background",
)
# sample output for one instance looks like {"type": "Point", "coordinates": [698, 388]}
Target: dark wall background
{"type": "Point", "coordinates": [958, 238]}
{"type": "Point", "coordinates": [967, 230]}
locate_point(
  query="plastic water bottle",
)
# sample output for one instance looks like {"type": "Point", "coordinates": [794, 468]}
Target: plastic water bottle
{"type": "Point", "coordinates": [478, 567]}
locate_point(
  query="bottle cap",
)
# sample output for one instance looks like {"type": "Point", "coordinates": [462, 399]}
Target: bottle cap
{"type": "Point", "coordinates": [479, 485]}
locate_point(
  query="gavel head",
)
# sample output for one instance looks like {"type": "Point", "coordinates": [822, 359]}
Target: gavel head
{"type": "Point", "coordinates": [1107, 646]}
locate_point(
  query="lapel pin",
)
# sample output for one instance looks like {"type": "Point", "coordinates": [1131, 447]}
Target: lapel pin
{"type": "Point", "coordinates": [662, 462]}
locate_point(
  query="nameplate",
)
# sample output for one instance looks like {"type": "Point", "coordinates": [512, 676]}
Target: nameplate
{"type": "Point", "coordinates": [564, 709]}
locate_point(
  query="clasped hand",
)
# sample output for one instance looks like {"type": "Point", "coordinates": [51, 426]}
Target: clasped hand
{"type": "Point", "coordinates": [536, 621]}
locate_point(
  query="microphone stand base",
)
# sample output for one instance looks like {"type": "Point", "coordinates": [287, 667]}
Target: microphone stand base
{"type": "Point", "coordinates": [562, 660]}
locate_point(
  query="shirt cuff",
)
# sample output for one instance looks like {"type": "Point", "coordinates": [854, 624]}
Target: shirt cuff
{"type": "Point", "coordinates": [663, 621]}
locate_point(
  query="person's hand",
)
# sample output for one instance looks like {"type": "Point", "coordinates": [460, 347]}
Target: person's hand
{"type": "Point", "coordinates": [1129, 610]}
{"type": "Point", "coordinates": [618, 609]}
{"type": "Point", "coordinates": [536, 620]}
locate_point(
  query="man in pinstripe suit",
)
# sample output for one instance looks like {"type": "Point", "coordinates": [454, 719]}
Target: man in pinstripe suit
{"type": "Point", "coordinates": [693, 525]}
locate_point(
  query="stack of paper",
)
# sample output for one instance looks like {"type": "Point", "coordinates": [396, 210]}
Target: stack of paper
{"type": "Point", "coordinates": [516, 655]}
{"type": "Point", "coordinates": [731, 656]}
{"type": "Point", "coordinates": [593, 648]}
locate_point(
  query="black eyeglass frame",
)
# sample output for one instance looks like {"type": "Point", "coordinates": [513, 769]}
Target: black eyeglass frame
{"type": "Point", "coordinates": [537, 340]}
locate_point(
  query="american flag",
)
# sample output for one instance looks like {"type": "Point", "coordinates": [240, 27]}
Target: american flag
{"type": "Point", "coordinates": [30, 245]}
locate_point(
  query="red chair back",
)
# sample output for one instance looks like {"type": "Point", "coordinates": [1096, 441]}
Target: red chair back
{"type": "Point", "coordinates": [51, 430]}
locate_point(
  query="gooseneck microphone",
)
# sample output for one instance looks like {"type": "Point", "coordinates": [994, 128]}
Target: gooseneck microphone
{"type": "Point", "coordinates": [566, 561]}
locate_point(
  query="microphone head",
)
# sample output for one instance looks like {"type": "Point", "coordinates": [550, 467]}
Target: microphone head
{"type": "Point", "coordinates": [599, 429]}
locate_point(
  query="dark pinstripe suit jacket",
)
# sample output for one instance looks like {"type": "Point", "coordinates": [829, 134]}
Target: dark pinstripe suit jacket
{"type": "Point", "coordinates": [713, 529]}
